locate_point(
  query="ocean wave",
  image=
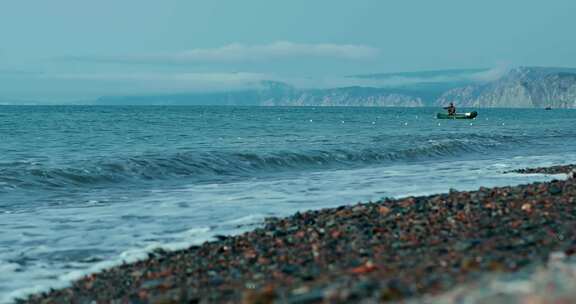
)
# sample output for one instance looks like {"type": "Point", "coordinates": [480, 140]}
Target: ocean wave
{"type": "Point", "coordinates": [211, 165]}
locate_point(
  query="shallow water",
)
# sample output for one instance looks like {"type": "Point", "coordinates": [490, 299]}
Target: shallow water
{"type": "Point", "coordinates": [83, 188]}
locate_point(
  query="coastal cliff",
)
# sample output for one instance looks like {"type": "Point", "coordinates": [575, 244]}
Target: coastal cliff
{"type": "Point", "coordinates": [524, 87]}
{"type": "Point", "coordinates": [273, 93]}
{"type": "Point", "coordinates": [282, 95]}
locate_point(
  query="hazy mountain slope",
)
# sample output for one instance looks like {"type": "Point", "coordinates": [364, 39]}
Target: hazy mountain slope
{"type": "Point", "coordinates": [212, 98]}
{"type": "Point", "coordinates": [19, 102]}
{"type": "Point", "coordinates": [430, 75]}
{"type": "Point", "coordinates": [427, 85]}
{"type": "Point", "coordinates": [349, 96]}
{"type": "Point", "coordinates": [277, 94]}
{"type": "Point", "coordinates": [524, 87]}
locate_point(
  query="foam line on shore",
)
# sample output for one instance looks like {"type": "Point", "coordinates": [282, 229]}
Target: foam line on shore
{"type": "Point", "coordinates": [496, 224]}
{"type": "Point", "coordinates": [190, 237]}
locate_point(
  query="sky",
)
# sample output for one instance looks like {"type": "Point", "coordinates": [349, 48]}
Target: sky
{"type": "Point", "coordinates": [77, 50]}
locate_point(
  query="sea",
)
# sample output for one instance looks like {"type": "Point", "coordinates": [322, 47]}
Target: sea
{"type": "Point", "coordinates": [84, 188]}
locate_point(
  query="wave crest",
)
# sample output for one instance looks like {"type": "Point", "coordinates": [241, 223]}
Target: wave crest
{"type": "Point", "coordinates": [211, 165]}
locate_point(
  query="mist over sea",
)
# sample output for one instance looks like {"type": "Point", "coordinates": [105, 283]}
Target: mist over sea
{"type": "Point", "coordinates": [86, 187]}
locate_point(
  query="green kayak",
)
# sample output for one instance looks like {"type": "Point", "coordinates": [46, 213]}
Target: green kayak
{"type": "Point", "coordinates": [470, 115]}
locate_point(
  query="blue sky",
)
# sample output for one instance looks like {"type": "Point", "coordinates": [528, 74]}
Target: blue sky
{"type": "Point", "coordinates": [71, 50]}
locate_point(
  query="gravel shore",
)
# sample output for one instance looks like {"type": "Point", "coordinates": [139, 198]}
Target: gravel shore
{"type": "Point", "coordinates": [370, 253]}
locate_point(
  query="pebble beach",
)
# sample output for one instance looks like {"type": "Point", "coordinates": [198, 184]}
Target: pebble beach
{"type": "Point", "coordinates": [422, 249]}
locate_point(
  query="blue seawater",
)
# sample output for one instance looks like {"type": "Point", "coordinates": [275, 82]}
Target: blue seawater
{"type": "Point", "coordinates": [83, 188]}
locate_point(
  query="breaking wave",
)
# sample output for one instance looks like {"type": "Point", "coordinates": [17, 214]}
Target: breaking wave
{"type": "Point", "coordinates": [219, 165]}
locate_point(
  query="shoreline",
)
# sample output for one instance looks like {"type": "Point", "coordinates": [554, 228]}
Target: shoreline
{"type": "Point", "coordinates": [393, 249]}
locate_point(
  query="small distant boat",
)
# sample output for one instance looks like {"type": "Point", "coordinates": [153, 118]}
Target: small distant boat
{"type": "Point", "coordinates": [468, 115]}
{"type": "Point", "coordinates": [548, 108]}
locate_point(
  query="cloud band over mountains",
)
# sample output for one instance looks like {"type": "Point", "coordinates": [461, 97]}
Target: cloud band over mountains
{"type": "Point", "coordinates": [237, 52]}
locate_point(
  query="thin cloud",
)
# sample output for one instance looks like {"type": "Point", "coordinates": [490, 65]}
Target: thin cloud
{"type": "Point", "coordinates": [217, 77]}
{"type": "Point", "coordinates": [490, 75]}
{"type": "Point", "coordinates": [169, 81]}
{"type": "Point", "coordinates": [218, 81]}
{"type": "Point", "coordinates": [395, 80]}
{"type": "Point", "coordinates": [237, 52]}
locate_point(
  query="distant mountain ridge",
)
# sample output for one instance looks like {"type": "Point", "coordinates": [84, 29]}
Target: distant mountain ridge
{"type": "Point", "coordinates": [18, 102]}
{"type": "Point", "coordinates": [525, 87]}
{"type": "Point", "coordinates": [277, 94]}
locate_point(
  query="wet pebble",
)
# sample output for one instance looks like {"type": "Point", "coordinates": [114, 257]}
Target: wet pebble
{"type": "Point", "coordinates": [383, 251]}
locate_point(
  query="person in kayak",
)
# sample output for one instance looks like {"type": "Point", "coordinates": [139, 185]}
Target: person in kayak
{"type": "Point", "coordinates": [451, 109]}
